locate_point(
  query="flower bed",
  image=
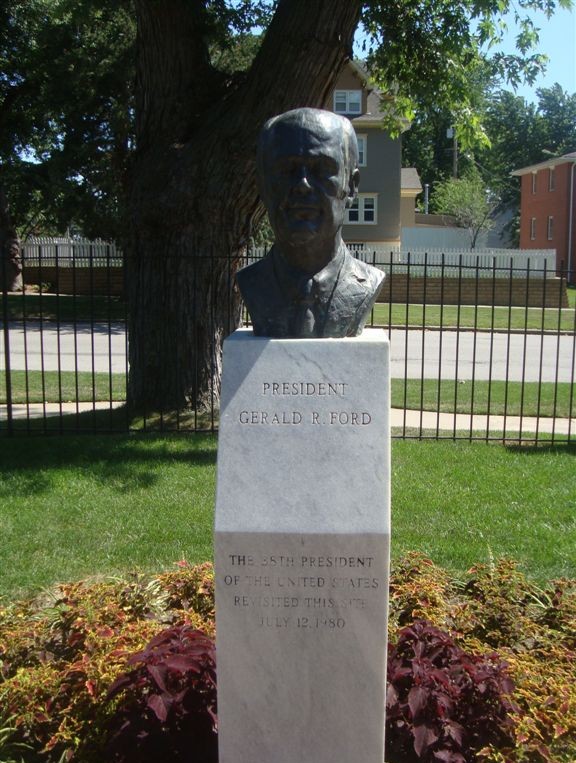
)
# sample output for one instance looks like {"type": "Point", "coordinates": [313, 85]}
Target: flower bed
{"type": "Point", "coordinates": [481, 669]}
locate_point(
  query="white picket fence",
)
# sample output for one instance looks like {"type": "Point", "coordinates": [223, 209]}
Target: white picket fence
{"type": "Point", "coordinates": [450, 263]}
{"type": "Point", "coordinates": [455, 263]}
{"type": "Point", "coordinates": [44, 251]}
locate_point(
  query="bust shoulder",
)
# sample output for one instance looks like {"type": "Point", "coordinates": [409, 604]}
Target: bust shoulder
{"type": "Point", "coordinates": [367, 275]}
{"type": "Point", "coordinates": [254, 272]}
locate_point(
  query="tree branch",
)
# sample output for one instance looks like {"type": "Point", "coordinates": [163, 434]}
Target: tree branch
{"type": "Point", "coordinates": [302, 54]}
{"type": "Point", "coordinates": [12, 95]}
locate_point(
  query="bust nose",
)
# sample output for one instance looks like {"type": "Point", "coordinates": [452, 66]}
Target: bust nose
{"type": "Point", "coordinates": [301, 184]}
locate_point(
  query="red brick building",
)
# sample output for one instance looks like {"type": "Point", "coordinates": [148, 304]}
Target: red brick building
{"type": "Point", "coordinates": [548, 209]}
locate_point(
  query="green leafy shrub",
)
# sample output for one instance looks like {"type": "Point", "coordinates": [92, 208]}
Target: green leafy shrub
{"type": "Point", "coordinates": [500, 605]}
{"type": "Point", "coordinates": [191, 589]}
{"type": "Point", "coordinates": [60, 654]}
{"type": "Point", "coordinates": [419, 590]}
{"type": "Point", "coordinates": [9, 747]}
{"type": "Point", "coordinates": [534, 632]}
{"type": "Point", "coordinates": [559, 613]}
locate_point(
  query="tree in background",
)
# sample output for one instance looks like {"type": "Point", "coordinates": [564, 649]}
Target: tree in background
{"type": "Point", "coordinates": [427, 145]}
{"type": "Point", "coordinates": [66, 113]}
{"type": "Point", "coordinates": [523, 133]}
{"type": "Point", "coordinates": [194, 199]}
{"type": "Point", "coordinates": [519, 133]}
{"type": "Point", "coordinates": [10, 261]}
{"type": "Point", "coordinates": [182, 193]}
{"type": "Point", "coordinates": [468, 200]}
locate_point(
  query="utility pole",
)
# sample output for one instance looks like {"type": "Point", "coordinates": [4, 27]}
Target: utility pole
{"type": "Point", "coordinates": [451, 133]}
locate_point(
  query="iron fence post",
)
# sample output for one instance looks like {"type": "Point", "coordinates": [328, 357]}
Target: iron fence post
{"type": "Point", "coordinates": [6, 333]}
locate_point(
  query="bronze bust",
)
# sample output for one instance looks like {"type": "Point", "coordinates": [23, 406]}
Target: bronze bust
{"type": "Point", "coordinates": [309, 285]}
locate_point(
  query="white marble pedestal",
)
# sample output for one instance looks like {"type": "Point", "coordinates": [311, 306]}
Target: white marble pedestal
{"type": "Point", "coordinates": [302, 536]}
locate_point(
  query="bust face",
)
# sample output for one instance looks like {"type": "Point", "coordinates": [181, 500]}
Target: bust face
{"type": "Point", "coordinates": [306, 184]}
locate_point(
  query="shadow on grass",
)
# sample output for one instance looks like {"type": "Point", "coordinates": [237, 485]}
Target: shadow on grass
{"type": "Point", "coordinates": [113, 420]}
{"type": "Point", "coordinates": [537, 448]}
{"type": "Point", "coordinates": [124, 462]}
{"type": "Point", "coordinates": [544, 444]}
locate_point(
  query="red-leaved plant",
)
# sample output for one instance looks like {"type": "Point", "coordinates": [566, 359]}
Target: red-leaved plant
{"type": "Point", "coordinates": [167, 703]}
{"type": "Point", "coordinates": [442, 703]}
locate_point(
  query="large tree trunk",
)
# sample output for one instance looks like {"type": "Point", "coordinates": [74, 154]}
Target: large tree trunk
{"type": "Point", "coordinates": [194, 193]}
{"type": "Point", "coordinates": [10, 257]}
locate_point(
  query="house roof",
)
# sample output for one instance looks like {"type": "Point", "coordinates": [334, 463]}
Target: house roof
{"type": "Point", "coordinates": [376, 107]}
{"type": "Point", "coordinates": [361, 72]}
{"type": "Point", "coordinates": [377, 104]}
{"type": "Point", "coordinates": [553, 161]}
{"type": "Point", "coordinates": [373, 112]}
{"type": "Point", "coordinates": [410, 180]}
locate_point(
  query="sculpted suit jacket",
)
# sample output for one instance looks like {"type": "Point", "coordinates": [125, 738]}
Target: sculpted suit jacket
{"type": "Point", "coordinates": [284, 302]}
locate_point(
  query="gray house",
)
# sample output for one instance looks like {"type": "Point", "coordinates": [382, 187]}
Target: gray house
{"type": "Point", "coordinates": [375, 218]}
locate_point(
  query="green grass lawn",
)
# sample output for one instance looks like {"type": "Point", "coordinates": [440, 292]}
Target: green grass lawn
{"type": "Point", "coordinates": [72, 507]}
{"type": "Point", "coordinates": [483, 318]}
{"type": "Point", "coordinates": [52, 387]}
{"type": "Point", "coordinates": [100, 308]}
{"type": "Point", "coordinates": [482, 397]}
{"type": "Point", "coordinates": [496, 397]}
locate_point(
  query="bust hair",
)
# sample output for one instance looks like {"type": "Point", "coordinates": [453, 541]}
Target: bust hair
{"type": "Point", "coordinates": [300, 118]}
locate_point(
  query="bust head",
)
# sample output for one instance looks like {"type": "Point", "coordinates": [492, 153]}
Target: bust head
{"type": "Point", "coordinates": [308, 175]}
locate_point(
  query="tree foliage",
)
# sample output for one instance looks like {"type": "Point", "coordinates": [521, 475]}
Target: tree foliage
{"type": "Point", "coordinates": [427, 145]}
{"type": "Point", "coordinates": [137, 120]}
{"type": "Point", "coordinates": [430, 54]}
{"type": "Point", "coordinates": [468, 200]}
{"type": "Point", "coordinates": [67, 88]}
{"type": "Point", "coordinates": [523, 133]}
{"type": "Point", "coordinates": [520, 134]}
{"type": "Point", "coordinates": [66, 112]}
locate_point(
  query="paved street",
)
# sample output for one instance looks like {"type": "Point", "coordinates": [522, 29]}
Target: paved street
{"type": "Point", "coordinates": [415, 353]}
{"type": "Point", "coordinates": [460, 355]}
{"type": "Point", "coordinates": [79, 348]}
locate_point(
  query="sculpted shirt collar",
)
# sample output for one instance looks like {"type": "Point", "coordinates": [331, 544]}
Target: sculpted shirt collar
{"type": "Point", "coordinates": [295, 282]}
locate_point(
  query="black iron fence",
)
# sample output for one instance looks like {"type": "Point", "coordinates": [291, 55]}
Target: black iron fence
{"type": "Point", "coordinates": [480, 349]}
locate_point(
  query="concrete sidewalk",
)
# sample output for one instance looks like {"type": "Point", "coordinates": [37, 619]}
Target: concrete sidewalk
{"type": "Point", "coordinates": [410, 419]}
{"type": "Point", "coordinates": [462, 422]}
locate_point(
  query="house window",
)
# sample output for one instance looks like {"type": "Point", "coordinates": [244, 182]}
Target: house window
{"type": "Point", "coordinates": [362, 147]}
{"type": "Point", "coordinates": [348, 101]}
{"type": "Point", "coordinates": [534, 182]}
{"type": "Point", "coordinates": [550, 228]}
{"type": "Point", "coordinates": [551, 180]}
{"type": "Point", "coordinates": [532, 228]}
{"type": "Point", "coordinates": [369, 209]}
{"type": "Point", "coordinates": [364, 210]}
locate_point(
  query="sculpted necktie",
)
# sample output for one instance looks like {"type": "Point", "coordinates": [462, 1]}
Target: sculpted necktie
{"type": "Point", "coordinates": [307, 319]}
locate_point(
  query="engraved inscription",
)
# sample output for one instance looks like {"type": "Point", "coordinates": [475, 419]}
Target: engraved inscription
{"type": "Point", "coordinates": [301, 591]}
{"type": "Point", "coordinates": [322, 391]}
{"type": "Point", "coordinates": [294, 418]}
{"type": "Point", "coordinates": [306, 389]}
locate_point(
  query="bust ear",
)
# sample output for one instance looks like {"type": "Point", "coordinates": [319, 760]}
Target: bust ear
{"type": "Point", "coordinates": [353, 183]}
